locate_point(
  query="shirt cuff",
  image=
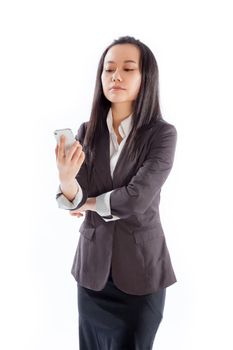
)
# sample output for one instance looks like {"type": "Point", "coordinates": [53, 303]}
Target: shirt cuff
{"type": "Point", "coordinates": [103, 207]}
{"type": "Point", "coordinates": [65, 203]}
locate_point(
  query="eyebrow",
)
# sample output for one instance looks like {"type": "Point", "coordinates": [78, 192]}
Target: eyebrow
{"type": "Point", "coordinates": [126, 61]}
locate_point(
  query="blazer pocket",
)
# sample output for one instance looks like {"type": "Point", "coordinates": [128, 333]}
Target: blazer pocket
{"type": "Point", "coordinates": [144, 236]}
{"type": "Point", "coordinates": [87, 232]}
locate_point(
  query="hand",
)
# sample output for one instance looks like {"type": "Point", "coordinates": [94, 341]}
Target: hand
{"type": "Point", "coordinates": [69, 164]}
{"type": "Point", "coordinates": [89, 205]}
{"type": "Point", "coordinates": [76, 213]}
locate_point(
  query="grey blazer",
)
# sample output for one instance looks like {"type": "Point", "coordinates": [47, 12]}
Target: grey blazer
{"type": "Point", "coordinates": [135, 244]}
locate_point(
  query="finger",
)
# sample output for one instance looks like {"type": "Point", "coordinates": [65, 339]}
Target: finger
{"type": "Point", "coordinates": [78, 214]}
{"type": "Point", "coordinates": [73, 213]}
{"type": "Point", "coordinates": [56, 151]}
{"type": "Point", "coordinates": [61, 147]}
{"type": "Point", "coordinates": [75, 148]}
{"type": "Point", "coordinates": [78, 157]}
{"type": "Point", "coordinates": [81, 159]}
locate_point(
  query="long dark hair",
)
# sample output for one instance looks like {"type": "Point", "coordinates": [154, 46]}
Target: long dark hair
{"type": "Point", "coordinates": [146, 108]}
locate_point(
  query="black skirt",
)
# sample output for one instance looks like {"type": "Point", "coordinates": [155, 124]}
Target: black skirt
{"type": "Point", "coordinates": [113, 320]}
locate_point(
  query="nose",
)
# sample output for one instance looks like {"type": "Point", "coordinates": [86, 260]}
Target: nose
{"type": "Point", "coordinates": [116, 75]}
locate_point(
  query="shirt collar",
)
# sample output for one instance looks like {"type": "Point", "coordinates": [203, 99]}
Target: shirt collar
{"type": "Point", "coordinates": [125, 126]}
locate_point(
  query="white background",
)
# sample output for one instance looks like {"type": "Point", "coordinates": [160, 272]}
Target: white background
{"type": "Point", "coordinates": [49, 55]}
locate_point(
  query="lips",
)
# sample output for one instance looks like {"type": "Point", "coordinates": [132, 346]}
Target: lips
{"type": "Point", "coordinates": [116, 88]}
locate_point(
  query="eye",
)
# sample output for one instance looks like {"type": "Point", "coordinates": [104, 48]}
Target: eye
{"type": "Point", "coordinates": [111, 70]}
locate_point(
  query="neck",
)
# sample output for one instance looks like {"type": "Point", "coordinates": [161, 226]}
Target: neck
{"type": "Point", "coordinates": [120, 111]}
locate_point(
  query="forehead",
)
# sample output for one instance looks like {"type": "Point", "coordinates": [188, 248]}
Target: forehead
{"type": "Point", "coordinates": [122, 53]}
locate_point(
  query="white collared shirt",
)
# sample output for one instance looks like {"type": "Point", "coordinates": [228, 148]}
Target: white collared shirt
{"type": "Point", "coordinates": [103, 200]}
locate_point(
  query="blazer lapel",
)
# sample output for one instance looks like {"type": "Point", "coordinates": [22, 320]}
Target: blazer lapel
{"type": "Point", "coordinates": [124, 169]}
{"type": "Point", "coordinates": [103, 160]}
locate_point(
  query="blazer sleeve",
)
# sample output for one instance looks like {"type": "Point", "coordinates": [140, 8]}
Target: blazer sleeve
{"type": "Point", "coordinates": [136, 197]}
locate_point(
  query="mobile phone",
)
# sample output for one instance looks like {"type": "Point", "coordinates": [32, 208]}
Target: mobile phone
{"type": "Point", "coordinates": [70, 139]}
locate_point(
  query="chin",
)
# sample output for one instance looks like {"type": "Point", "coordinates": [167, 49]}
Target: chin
{"type": "Point", "coordinates": [117, 99]}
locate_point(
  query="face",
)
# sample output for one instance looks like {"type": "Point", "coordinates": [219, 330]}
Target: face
{"type": "Point", "coordinates": [121, 69]}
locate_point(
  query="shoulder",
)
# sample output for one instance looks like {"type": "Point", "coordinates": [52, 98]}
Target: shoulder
{"type": "Point", "coordinates": [162, 140]}
{"type": "Point", "coordinates": [81, 131]}
{"type": "Point", "coordinates": [162, 126]}
{"type": "Point", "coordinates": [83, 126]}
{"type": "Point", "coordinates": [158, 129]}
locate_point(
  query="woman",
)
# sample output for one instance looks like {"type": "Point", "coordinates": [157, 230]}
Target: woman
{"type": "Point", "coordinates": [114, 173]}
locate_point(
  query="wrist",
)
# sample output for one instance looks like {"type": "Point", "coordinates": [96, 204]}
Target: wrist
{"type": "Point", "coordinates": [69, 189]}
{"type": "Point", "coordinates": [67, 182]}
{"type": "Point", "coordinates": [93, 203]}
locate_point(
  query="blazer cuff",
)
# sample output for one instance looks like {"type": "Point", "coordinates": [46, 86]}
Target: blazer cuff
{"type": "Point", "coordinates": [103, 207]}
{"type": "Point", "coordinates": [65, 203]}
